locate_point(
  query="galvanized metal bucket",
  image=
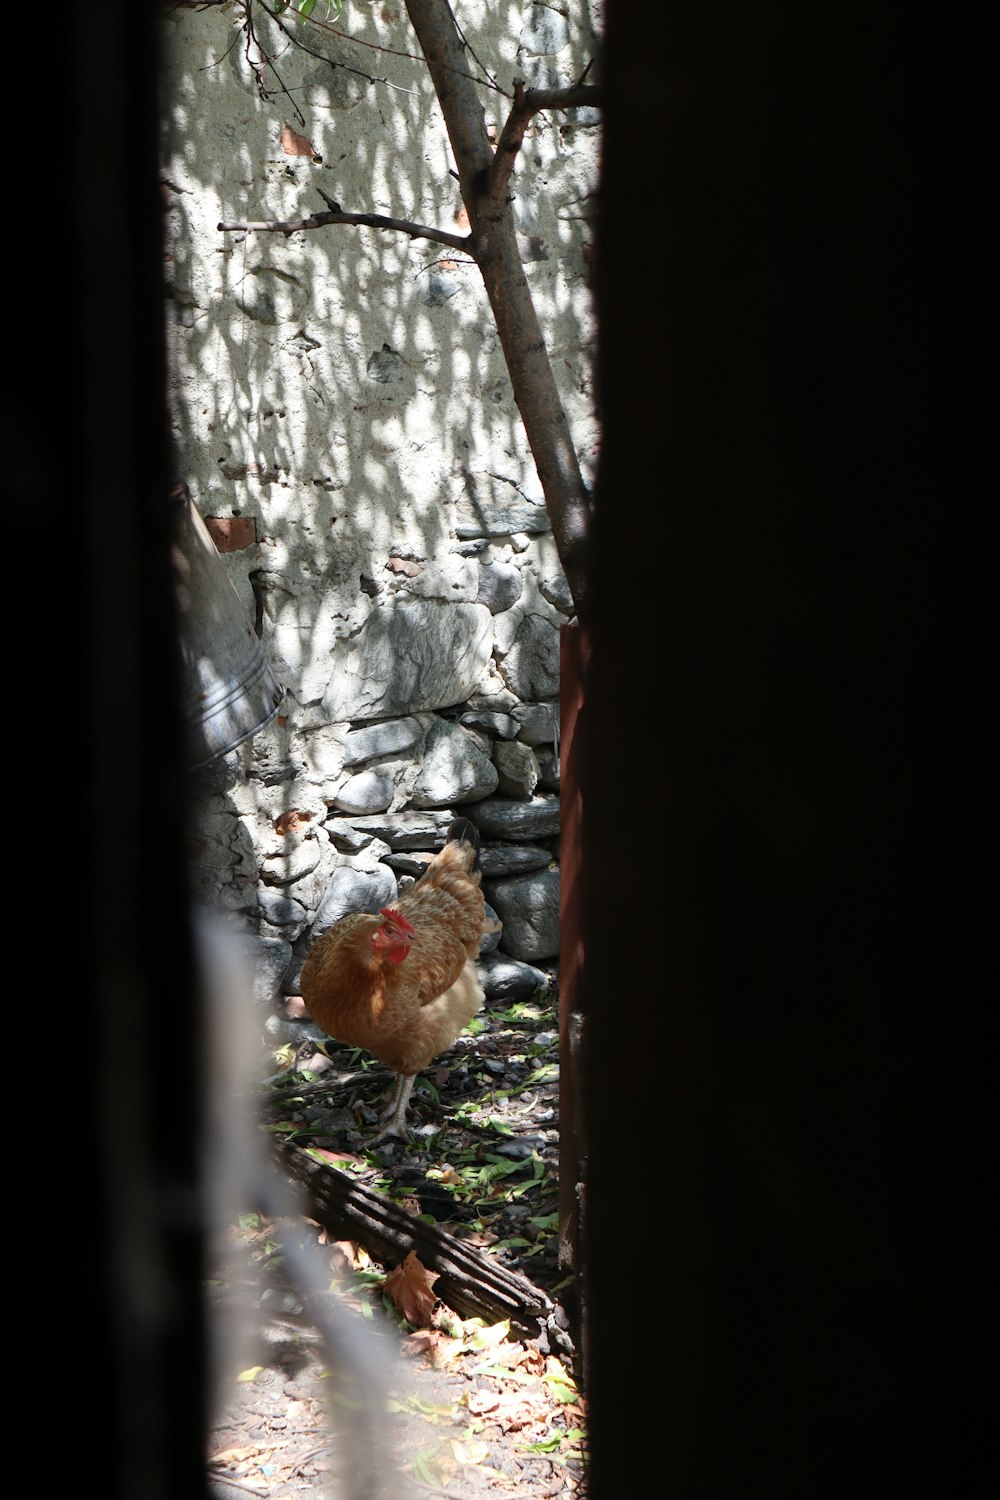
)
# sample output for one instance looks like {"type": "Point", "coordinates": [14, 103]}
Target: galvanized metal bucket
{"type": "Point", "coordinates": [229, 691]}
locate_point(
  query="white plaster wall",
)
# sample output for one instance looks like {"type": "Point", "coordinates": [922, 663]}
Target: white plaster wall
{"type": "Point", "coordinates": [338, 385]}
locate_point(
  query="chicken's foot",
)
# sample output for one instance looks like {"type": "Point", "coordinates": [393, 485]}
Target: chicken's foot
{"type": "Point", "coordinates": [393, 1117]}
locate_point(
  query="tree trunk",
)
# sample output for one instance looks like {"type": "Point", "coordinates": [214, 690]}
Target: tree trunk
{"type": "Point", "coordinates": [484, 184]}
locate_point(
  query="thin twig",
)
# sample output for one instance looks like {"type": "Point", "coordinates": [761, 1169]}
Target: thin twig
{"type": "Point", "coordinates": [369, 221]}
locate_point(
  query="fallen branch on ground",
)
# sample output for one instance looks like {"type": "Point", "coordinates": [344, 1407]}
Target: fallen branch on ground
{"type": "Point", "coordinates": [470, 1283]}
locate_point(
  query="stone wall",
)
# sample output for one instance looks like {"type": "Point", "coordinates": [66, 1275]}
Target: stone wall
{"type": "Point", "coordinates": [343, 419]}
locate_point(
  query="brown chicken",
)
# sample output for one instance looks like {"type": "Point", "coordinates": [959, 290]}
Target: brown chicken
{"type": "Point", "coordinates": [402, 983]}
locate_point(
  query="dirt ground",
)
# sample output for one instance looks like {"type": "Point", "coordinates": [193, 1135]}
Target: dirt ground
{"type": "Point", "coordinates": [345, 1377]}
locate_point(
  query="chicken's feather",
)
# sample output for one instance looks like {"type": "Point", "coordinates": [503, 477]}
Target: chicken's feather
{"type": "Point", "coordinates": [406, 1012]}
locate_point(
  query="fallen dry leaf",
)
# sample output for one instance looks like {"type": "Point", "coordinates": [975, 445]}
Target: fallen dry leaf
{"type": "Point", "coordinates": [519, 1358]}
{"type": "Point", "coordinates": [409, 1286]}
{"type": "Point", "coordinates": [403, 565]}
{"type": "Point", "coordinates": [493, 1336]}
{"type": "Point", "coordinates": [342, 1257]}
{"type": "Point", "coordinates": [481, 1238]}
{"type": "Point", "coordinates": [516, 1410]}
{"type": "Point", "coordinates": [333, 1156]}
{"type": "Point", "coordinates": [480, 1403]}
{"type": "Point", "coordinates": [439, 1348]}
{"type": "Point", "coordinates": [472, 1451]}
{"type": "Point", "coordinates": [291, 820]}
{"type": "Point", "coordinates": [294, 144]}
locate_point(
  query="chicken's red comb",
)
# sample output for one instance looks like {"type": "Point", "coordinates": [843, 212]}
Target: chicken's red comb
{"type": "Point", "coordinates": [396, 919]}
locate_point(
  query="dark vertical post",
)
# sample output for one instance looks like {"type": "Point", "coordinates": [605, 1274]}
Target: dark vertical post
{"type": "Point", "coordinates": [123, 1350]}
{"type": "Point", "coordinates": [752, 759]}
{"type": "Point", "coordinates": [572, 956]}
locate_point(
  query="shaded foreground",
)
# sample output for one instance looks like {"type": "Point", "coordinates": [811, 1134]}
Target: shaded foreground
{"type": "Point", "coordinates": [437, 1357]}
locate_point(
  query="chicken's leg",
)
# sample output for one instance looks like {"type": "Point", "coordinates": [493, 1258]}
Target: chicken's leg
{"type": "Point", "coordinates": [394, 1115]}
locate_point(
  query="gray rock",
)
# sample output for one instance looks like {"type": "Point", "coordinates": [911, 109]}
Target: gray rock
{"type": "Point", "coordinates": [387, 738]}
{"type": "Point", "coordinates": [497, 521]}
{"type": "Point", "coordinates": [452, 579]}
{"type": "Point", "coordinates": [500, 586]}
{"type": "Point", "coordinates": [555, 589]}
{"type": "Point", "coordinates": [531, 667]}
{"type": "Point", "coordinates": [408, 863]}
{"type": "Point", "coordinates": [281, 1031]}
{"type": "Point", "coordinates": [274, 772]}
{"type": "Point", "coordinates": [367, 792]}
{"type": "Point", "coordinates": [538, 723]}
{"type": "Point", "coordinates": [309, 892]}
{"type": "Point", "coordinates": [491, 940]}
{"type": "Point", "coordinates": [409, 656]}
{"type": "Point", "coordinates": [549, 772]}
{"type": "Point", "coordinates": [517, 768]}
{"type": "Point", "coordinates": [505, 818]}
{"type": "Point", "coordinates": [528, 907]}
{"type": "Point", "coordinates": [488, 505]}
{"type": "Point", "coordinates": [586, 117]}
{"type": "Point", "coordinates": [439, 288]}
{"type": "Point", "coordinates": [482, 741]}
{"type": "Point", "coordinates": [412, 829]}
{"type": "Point", "coordinates": [454, 769]}
{"type": "Point", "coordinates": [499, 701]}
{"type": "Point", "coordinates": [353, 890]}
{"type": "Point", "coordinates": [278, 909]}
{"type": "Point", "coordinates": [504, 726]}
{"type": "Point", "coordinates": [347, 839]}
{"type": "Point", "coordinates": [297, 858]}
{"type": "Point", "coordinates": [545, 32]}
{"type": "Point", "coordinates": [498, 860]}
{"type": "Point", "coordinates": [505, 979]}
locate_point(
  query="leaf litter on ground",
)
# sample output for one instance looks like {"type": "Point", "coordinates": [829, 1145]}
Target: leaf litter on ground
{"type": "Point", "coordinates": [483, 1161]}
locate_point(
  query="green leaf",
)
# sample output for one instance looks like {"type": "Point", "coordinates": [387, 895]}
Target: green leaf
{"type": "Point", "coordinates": [562, 1392]}
{"type": "Point", "coordinates": [421, 1467]}
{"type": "Point", "coordinates": [545, 1074]}
{"type": "Point", "coordinates": [550, 1223]}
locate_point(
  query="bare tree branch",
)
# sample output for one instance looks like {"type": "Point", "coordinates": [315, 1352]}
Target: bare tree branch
{"type": "Point", "coordinates": [527, 104]}
{"type": "Point", "coordinates": [495, 250]}
{"type": "Point", "coordinates": [484, 180]}
{"type": "Point", "coordinates": [337, 216]}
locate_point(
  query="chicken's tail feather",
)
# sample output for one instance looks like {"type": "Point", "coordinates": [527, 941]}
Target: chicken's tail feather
{"type": "Point", "coordinates": [464, 831]}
